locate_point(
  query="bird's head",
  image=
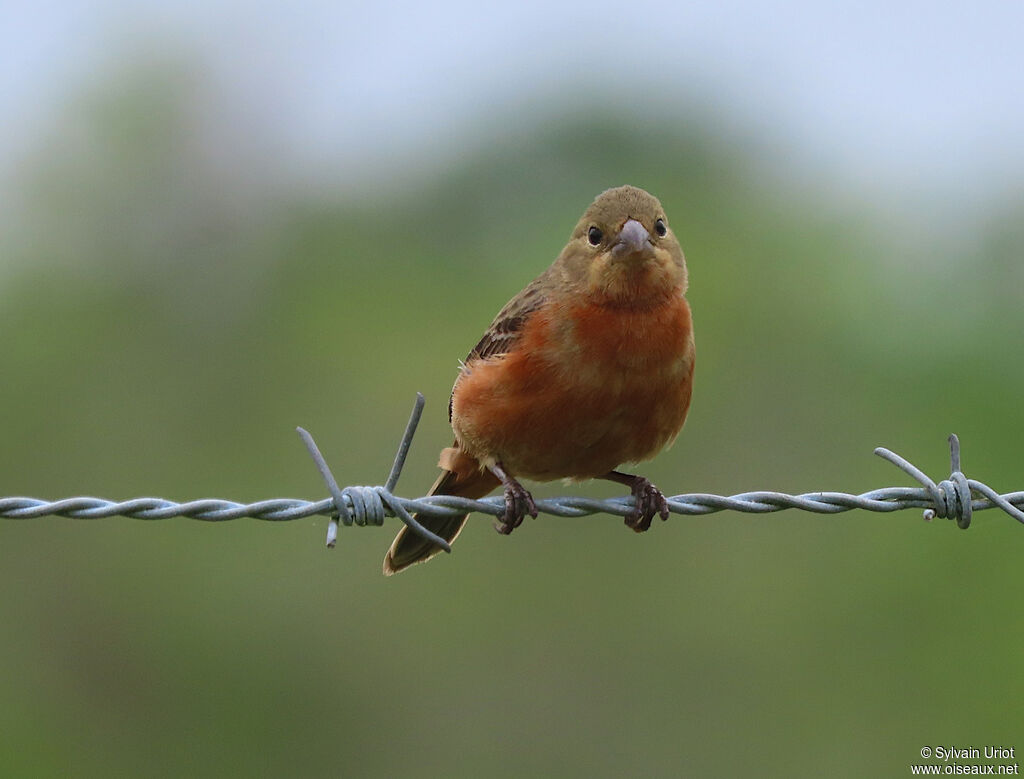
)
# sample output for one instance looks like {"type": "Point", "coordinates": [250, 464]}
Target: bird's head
{"type": "Point", "coordinates": [623, 252]}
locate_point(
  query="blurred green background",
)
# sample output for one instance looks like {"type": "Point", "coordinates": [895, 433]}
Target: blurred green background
{"type": "Point", "coordinates": [173, 304]}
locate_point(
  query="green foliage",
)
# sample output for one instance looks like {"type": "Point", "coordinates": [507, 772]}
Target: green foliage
{"type": "Point", "coordinates": [166, 327]}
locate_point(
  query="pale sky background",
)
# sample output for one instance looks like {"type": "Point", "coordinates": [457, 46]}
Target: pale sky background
{"type": "Point", "coordinates": [905, 97]}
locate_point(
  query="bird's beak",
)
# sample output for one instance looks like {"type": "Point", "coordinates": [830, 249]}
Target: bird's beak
{"type": "Point", "coordinates": [634, 240]}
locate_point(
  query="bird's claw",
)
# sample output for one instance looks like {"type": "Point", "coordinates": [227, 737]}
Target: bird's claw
{"type": "Point", "coordinates": [649, 501]}
{"type": "Point", "coordinates": [518, 503]}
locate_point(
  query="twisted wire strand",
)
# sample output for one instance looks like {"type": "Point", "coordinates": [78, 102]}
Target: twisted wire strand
{"type": "Point", "coordinates": [365, 511]}
{"type": "Point", "coordinates": [953, 498]}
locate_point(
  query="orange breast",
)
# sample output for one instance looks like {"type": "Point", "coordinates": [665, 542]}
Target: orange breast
{"type": "Point", "coordinates": [586, 389]}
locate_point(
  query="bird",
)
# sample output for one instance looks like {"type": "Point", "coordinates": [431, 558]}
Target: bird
{"type": "Point", "coordinates": [589, 367]}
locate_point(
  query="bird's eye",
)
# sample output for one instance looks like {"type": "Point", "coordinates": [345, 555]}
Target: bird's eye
{"type": "Point", "coordinates": [659, 227]}
{"type": "Point", "coordinates": [594, 235]}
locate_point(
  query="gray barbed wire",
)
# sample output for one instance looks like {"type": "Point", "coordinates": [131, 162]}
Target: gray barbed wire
{"type": "Point", "coordinates": [952, 498]}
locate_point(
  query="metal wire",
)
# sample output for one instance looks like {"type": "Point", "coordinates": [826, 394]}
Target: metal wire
{"type": "Point", "coordinates": [956, 497]}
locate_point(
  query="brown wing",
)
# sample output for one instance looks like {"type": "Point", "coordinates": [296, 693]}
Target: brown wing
{"type": "Point", "coordinates": [507, 326]}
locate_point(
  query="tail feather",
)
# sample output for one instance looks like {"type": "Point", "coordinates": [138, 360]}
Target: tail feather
{"type": "Point", "coordinates": [408, 548]}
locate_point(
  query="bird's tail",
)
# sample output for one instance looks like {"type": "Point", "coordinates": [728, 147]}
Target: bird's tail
{"type": "Point", "coordinates": [461, 475]}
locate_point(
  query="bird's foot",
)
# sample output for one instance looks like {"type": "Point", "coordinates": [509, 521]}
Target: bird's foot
{"type": "Point", "coordinates": [649, 501]}
{"type": "Point", "coordinates": [518, 503]}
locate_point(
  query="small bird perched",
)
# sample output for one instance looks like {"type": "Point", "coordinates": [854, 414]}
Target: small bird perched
{"type": "Point", "coordinates": [590, 366]}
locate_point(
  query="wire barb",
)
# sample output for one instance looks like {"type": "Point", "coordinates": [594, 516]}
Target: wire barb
{"type": "Point", "coordinates": [957, 497]}
{"type": "Point", "coordinates": [952, 497]}
{"type": "Point", "coordinates": [366, 505]}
